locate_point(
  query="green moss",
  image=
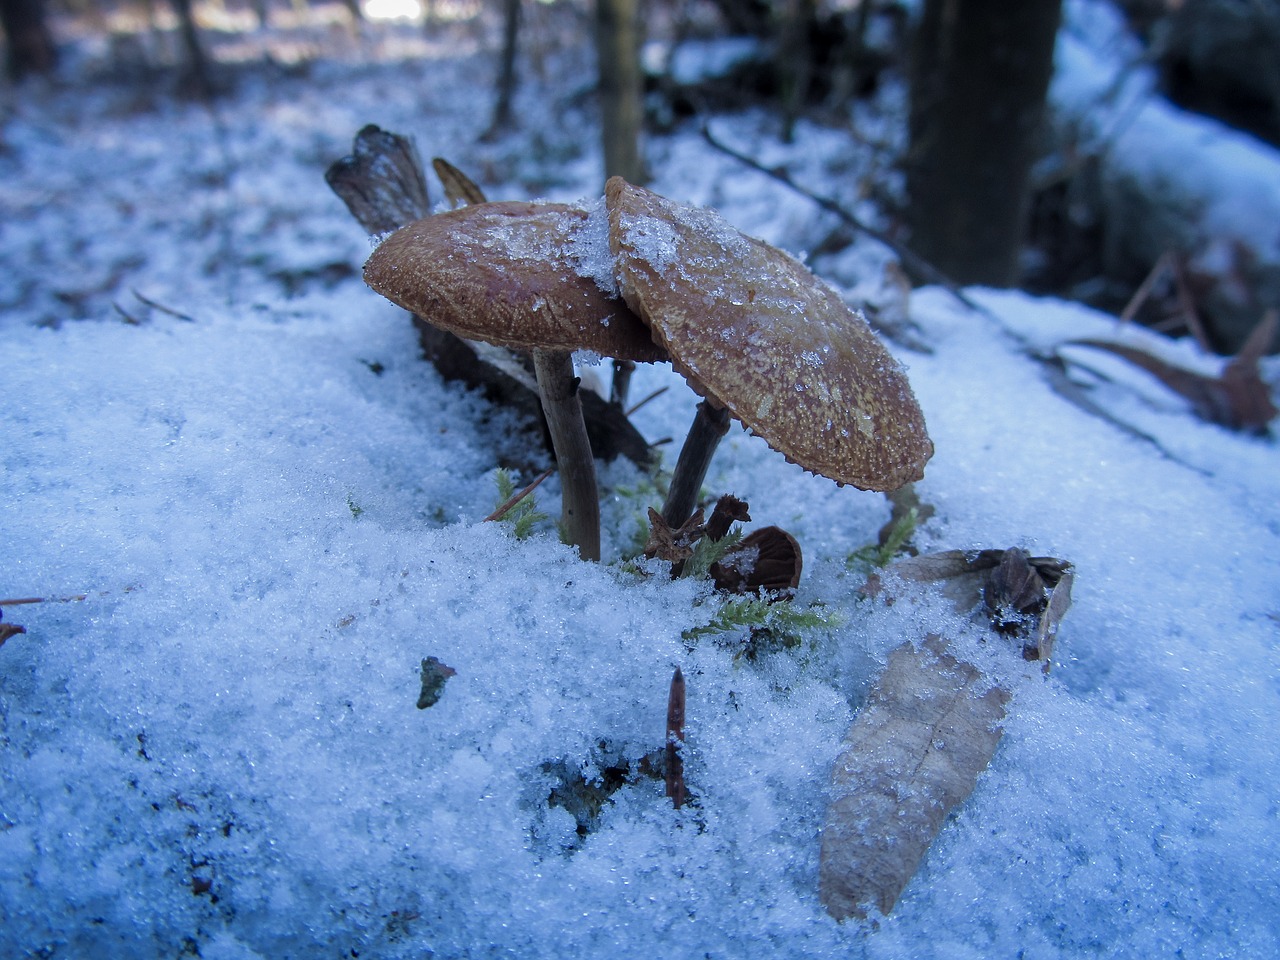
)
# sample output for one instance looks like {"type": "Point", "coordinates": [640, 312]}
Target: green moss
{"type": "Point", "coordinates": [875, 555]}
{"type": "Point", "coordinates": [522, 518]}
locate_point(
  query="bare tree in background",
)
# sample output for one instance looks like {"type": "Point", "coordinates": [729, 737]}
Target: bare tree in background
{"type": "Point", "coordinates": [502, 115]}
{"type": "Point", "coordinates": [795, 60]}
{"type": "Point", "coordinates": [979, 78]}
{"type": "Point", "coordinates": [31, 49]}
{"type": "Point", "coordinates": [618, 38]}
{"type": "Point", "coordinates": [196, 77]}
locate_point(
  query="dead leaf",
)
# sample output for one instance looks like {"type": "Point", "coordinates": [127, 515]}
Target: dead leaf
{"type": "Point", "coordinates": [675, 545]}
{"type": "Point", "coordinates": [1238, 398]}
{"type": "Point", "coordinates": [1023, 596]}
{"type": "Point", "coordinates": [459, 189]}
{"type": "Point", "coordinates": [928, 729]}
{"type": "Point", "coordinates": [728, 511]}
{"type": "Point", "coordinates": [434, 675]}
{"type": "Point", "coordinates": [381, 181]}
{"type": "Point", "coordinates": [767, 559]}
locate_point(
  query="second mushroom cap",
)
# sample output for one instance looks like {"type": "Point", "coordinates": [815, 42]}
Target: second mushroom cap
{"type": "Point", "coordinates": [754, 331]}
{"type": "Point", "coordinates": [509, 273]}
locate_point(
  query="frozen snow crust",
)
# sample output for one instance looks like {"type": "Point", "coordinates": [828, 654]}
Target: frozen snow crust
{"type": "Point", "coordinates": [275, 508]}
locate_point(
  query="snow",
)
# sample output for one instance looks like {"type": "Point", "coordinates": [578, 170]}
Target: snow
{"type": "Point", "coordinates": [274, 508]}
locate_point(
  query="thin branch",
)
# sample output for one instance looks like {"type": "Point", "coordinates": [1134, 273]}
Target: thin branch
{"type": "Point", "coordinates": [19, 601]}
{"type": "Point", "coordinates": [69, 598]}
{"type": "Point", "coordinates": [643, 400]}
{"type": "Point", "coordinates": [1143, 292]}
{"type": "Point", "coordinates": [156, 305]}
{"type": "Point", "coordinates": [516, 497]}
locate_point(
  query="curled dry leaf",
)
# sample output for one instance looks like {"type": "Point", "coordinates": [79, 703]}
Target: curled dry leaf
{"type": "Point", "coordinates": [505, 273]}
{"type": "Point", "coordinates": [754, 331]}
{"type": "Point", "coordinates": [1238, 398]}
{"type": "Point", "coordinates": [767, 559]}
{"type": "Point", "coordinates": [381, 181]}
{"type": "Point", "coordinates": [1023, 596]}
{"type": "Point", "coordinates": [728, 511]}
{"type": "Point", "coordinates": [673, 545]}
{"type": "Point", "coordinates": [928, 729]}
{"type": "Point", "coordinates": [459, 189]}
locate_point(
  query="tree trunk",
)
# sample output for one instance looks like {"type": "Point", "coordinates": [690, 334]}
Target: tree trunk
{"type": "Point", "coordinates": [618, 33]}
{"type": "Point", "coordinates": [196, 80]}
{"type": "Point", "coordinates": [794, 64]}
{"type": "Point", "coordinates": [980, 74]}
{"type": "Point", "coordinates": [502, 116]}
{"type": "Point", "coordinates": [31, 48]}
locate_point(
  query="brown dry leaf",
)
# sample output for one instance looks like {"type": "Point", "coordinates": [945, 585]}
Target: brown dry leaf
{"type": "Point", "coordinates": [752, 329]}
{"type": "Point", "coordinates": [459, 189]}
{"type": "Point", "coordinates": [1023, 596]}
{"type": "Point", "coordinates": [914, 752]}
{"type": "Point", "coordinates": [381, 181]}
{"type": "Point", "coordinates": [728, 511]}
{"type": "Point", "coordinates": [929, 727]}
{"type": "Point", "coordinates": [1239, 398]}
{"type": "Point", "coordinates": [1039, 645]}
{"type": "Point", "coordinates": [434, 676]}
{"type": "Point", "coordinates": [674, 545]}
{"type": "Point", "coordinates": [8, 630]}
{"type": "Point", "coordinates": [767, 559]}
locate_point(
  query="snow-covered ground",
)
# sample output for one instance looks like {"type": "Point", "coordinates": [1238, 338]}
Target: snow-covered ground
{"type": "Point", "coordinates": [274, 508]}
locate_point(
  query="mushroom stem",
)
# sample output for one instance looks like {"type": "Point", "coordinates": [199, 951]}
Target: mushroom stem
{"type": "Point", "coordinates": [580, 497]}
{"type": "Point", "coordinates": [709, 425]}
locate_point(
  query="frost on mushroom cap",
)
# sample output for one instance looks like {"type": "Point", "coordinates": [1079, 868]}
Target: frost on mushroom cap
{"type": "Point", "coordinates": [754, 331]}
{"type": "Point", "coordinates": [509, 274]}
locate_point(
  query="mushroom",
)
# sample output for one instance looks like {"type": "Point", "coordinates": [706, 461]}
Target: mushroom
{"type": "Point", "coordinates": [519, 275]}
{"type": "Point", "coordinates": [761, 339]}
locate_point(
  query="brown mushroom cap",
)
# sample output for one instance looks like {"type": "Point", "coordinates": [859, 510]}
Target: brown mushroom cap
{"type": "Point", "coordinates": [510, 274]}
{"type": "Point", "coordinates": [754, 331]}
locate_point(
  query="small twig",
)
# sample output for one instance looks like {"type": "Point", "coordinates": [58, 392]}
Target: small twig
{"type": "Point", "coordinates": [1143, 292]}
{"type": "Point", "coordinates": [910, 259]}
{"type": "Point", "coordinates": [642, 401]}
{"type": "Point", "coordinates": [1188, 304]}
{"type": "Point", "coordinates": [515, 498]}
{"type": "Point", "coordinates": [154, 305]}
{"type": "Point", "coordinates": [126, 316]}
{"type": "Point", "coordinates": [74, 598]}
{"type": "Point", "coordinates": [675, 740]}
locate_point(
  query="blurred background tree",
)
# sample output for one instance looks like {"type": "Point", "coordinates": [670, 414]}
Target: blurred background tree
{"type": "Point", "coordinates": [619, 35]}
{"type": "Point", "coordinates": [30, 44]}
{"type": "Point", "coordinates": [980, 73]}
